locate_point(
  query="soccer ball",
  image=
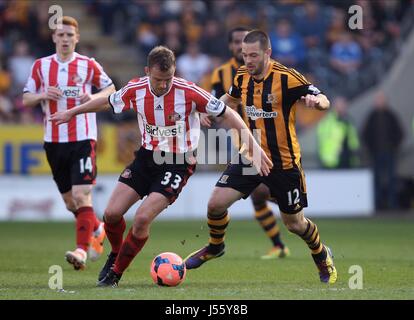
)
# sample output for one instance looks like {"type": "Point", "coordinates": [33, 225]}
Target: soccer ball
{"type": "Point", "coordinates": [168, 269]}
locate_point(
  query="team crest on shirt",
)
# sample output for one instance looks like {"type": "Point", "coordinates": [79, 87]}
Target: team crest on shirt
{"type": "Point", "coordinates": [174, 116]}
{"type": "Point", "coordinates": [127, 174]}
{"type": "Point", "coordinates": [76, 78]}
{"type": "Point", "coordinates": [271, 98]}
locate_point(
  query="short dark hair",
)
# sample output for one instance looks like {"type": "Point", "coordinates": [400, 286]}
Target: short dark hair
{"type": "Point", "coordinates": [236, 29]}
{"type": "Point", "coordinates": [258, 35]}
{"type": "Point", "coordinates": [161, 56]}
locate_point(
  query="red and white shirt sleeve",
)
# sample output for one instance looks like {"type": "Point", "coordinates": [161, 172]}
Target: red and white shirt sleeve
{"type": "Point", "coordinates": [120, 100]}
{"type": "Point", "coordinates": [99, 79]}
{"type": "Point", "coordinates": [34, 81]}
{"type": "Point", "coordinates": [125, 98]}
{"type": "Point", "coordinates": [207, 103]}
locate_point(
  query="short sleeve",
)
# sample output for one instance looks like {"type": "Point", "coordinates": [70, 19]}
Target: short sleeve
{"type": "Point", "coordinates": [296, 79]}
{"type": "Point", "coordinates": [207, 103]}
{"type": "Point", "coordinates": [298, 86]}
{"type": "Point", "coordinates": [99, 79]}
{"type": "Point", "coordinates": [34, 81]}
{"type": "Point", "coordinates": [120, 100]}
{"type": "Point", "coordinates": [303, 90]}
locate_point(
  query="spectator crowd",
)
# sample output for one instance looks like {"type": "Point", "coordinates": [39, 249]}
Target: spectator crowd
{"type": "Point", "coordinates": [312, 36]}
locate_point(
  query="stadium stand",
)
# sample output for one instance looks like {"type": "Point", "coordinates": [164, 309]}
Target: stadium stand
{"type": "Point", "coordinates": [125, 31]}
{"type": "Point", "coordinates": [119, 34]}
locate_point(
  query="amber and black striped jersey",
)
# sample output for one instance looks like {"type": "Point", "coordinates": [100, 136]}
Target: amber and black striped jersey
{"type": "Point", "coordinates": [270, 106]}
{"type": "Point", "coordinates": [222, 79]}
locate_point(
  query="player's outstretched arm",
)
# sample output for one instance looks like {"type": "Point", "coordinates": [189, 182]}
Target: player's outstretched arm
{"type": "Point", "coordinates": [230, 101]}
{"type": "Point", "coordinates": [259, 158]}
{"type": "Point", "coordinates": [104, 92]}
{"type": "Point", "coordinates": [95, 105]}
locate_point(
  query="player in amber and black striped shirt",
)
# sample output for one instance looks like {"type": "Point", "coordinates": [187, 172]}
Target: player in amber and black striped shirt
{"type": "Point", "coordinates": [221, 81]}
{"type": "Point", "coordinates": [269, 93]}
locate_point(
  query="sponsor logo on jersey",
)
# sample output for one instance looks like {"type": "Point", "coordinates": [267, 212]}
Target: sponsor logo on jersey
{"type": "Point", "coordinates": [165, 132]}
{"type": "Point", "coordinates": [71, 91]}
{"type": "Point", "coordinates": [254, 113]}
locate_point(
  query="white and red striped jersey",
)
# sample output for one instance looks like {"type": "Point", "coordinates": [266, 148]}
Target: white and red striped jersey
{"type": "Point", "coordinates": [74, 78]}
{"type": "Point", "coordinates": [170, 122]}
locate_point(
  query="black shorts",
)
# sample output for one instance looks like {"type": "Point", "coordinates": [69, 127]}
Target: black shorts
{"type": "Point", "coordinates": [72, 163]}
{"type": "Point", "coordinates": [286, 186]}
{"type": "Point", "coordinates": [144, 175]}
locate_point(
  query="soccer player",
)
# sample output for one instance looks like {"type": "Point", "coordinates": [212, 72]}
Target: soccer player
{"type": "Point", "coordinates": [60, 82]}
{"type": "Point", "coordinates": [222, 79]}
{"type": "Point", "coordinates": [269, 92]}
{"type": "Point", "coordinates": [167, 109]}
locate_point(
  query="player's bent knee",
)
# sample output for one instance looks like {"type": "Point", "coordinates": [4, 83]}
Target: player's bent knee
{"type": "Point", "coordinates": [80, 199]}
{"type": "Point", "coordinates": [215, 207]}
{"type": "Point", "coordinates": [69, 202]}
{"type": "Point", "coordinates": [82, 195]}
{"type": "Point", "coordinates": [295, 226]}
{"type": "Point", "coordinates": [141, 220]}
{"type": "Point", "coordinates": [295, 223]}
{"type": "Point", "coordinates": [141, 226]}
{"type": "Point", "coordinates": [111, 216]}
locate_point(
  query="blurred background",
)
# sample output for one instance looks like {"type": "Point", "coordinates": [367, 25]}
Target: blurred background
{"type": "Point", "coordinates": [358, 157]}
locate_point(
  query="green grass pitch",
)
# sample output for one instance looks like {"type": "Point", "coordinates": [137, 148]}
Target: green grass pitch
{"type": "Point", "coordinates": [383, 247]}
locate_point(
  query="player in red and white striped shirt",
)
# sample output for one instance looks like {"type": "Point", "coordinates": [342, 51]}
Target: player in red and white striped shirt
{"type": "Point", "coordinates": [61, 82]}
{"type": "Point", "coordinates": [169, 122]}
{"type": "Point", "coordinates": [168, 115]}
